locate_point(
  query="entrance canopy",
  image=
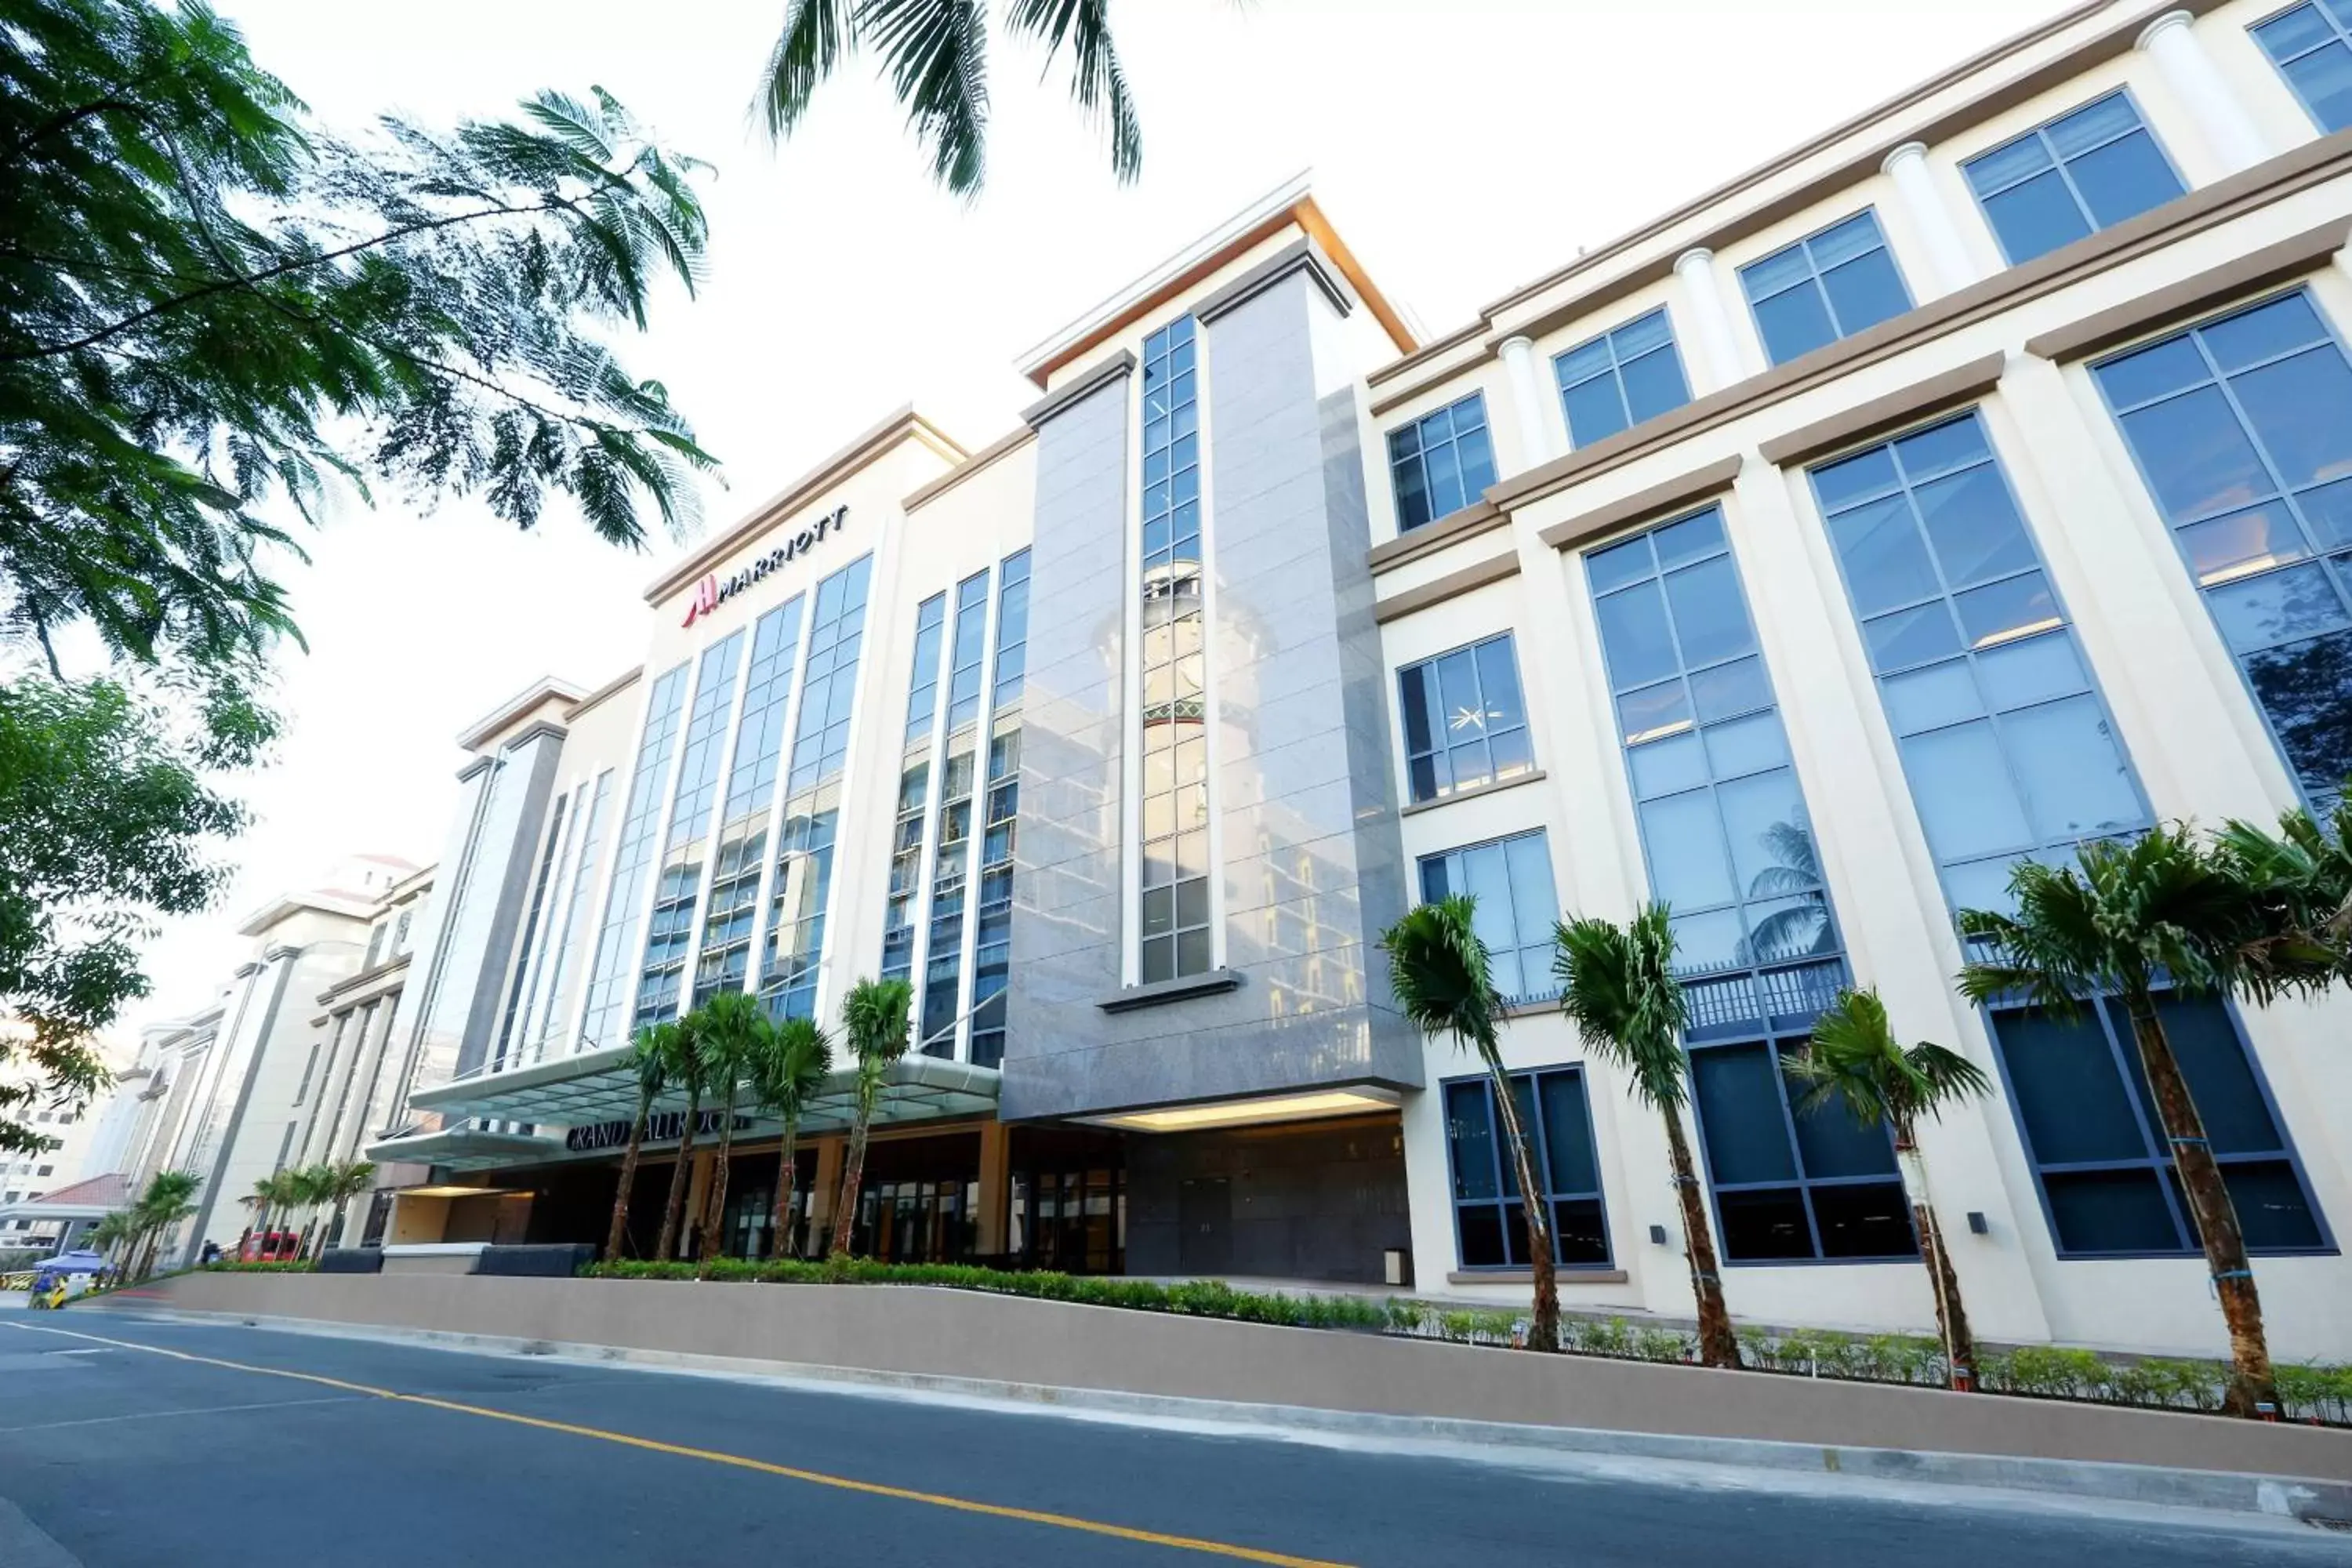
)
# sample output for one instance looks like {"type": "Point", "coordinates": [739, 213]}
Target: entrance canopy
{"type": "Point", "coordinates": [597, 1088]}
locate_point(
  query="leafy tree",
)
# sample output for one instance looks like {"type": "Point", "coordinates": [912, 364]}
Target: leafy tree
{"type": "Point", "coordinates": [1618, 987]}
{"type": "Point", "coordinates": [874, 1020]}
{"type": "Point", "coordinates": [935, 53]}
{"type": "Point", "coordinates": [650, 1058]}
{"type": "Point", "coordinates": [2300, 876]}
{"type": "Point", "coordinates": [687, 1067]}
{"type": "Point", "coordinates": [794, 1059]}
{"type": "Point", "coordinates": [1855, 1062]}
{"type": "Point", "coordinates": [2160, 913]}
{"type": "Point", "coordinates": [734, 1029]}
{"type": "Point", "coordinates": [1442, 978]}
{"type": "Point", "coordinates": [169, 1198]}
{"type": "Point", "coordinates": [211, 309]}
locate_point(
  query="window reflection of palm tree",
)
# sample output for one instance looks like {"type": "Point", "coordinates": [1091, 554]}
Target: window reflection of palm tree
{"type": "Point", "coordinates": [1796, 929]}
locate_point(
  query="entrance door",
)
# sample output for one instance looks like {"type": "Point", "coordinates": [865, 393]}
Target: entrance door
{"type": "Point", "coordinates": [1204, 1216]}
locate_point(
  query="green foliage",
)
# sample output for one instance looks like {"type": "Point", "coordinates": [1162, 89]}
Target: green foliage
{"type": "Point", "coordinates": [935, 54]}
{"type": "Point", "coordinates": [1442, 977]}
{"type": "Point", "coordinates": [1854, 1061]}
{"type": "Point", "coordinates": [791, 1066]}
{"type": "Point", "coordinates": [2301, 877]}
{"type": "Point", "coordinates": [1618, 987]}
{"type": "Point", "coordinates": [874, 1020]}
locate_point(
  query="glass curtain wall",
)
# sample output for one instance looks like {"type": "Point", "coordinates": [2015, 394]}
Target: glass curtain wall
{"type": "Point", "coordinates": [914, 793]}
{"type": "Point", "coordinates": [943, 989]}
{"type": "Point", "coordinates": [669, 934]}
{"type": "Point", "coordinates": [548, 1016]}
{"type": "Point", "coordinates": [992, 946]}
{"type": "Point", "coordinates": [608, 972]}
{"type": "Point", "coordinates": [724, 961]}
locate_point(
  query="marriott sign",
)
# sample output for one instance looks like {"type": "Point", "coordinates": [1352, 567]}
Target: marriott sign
{"type": "Point", "coordinates": [714, 590]}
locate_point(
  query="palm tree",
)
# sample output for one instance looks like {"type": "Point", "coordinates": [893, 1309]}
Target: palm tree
{"type": "Point", "coordinates": [936, 55]}
{"type": "Point", "coordinates": [2303, 875]}
{"type": "Point", "coordinates": [1441, 977]}
{"type": "Point", "coordinates": [339, 1185]}
{"type": "Point", "coordinates": [2130, 919]}
{"type": "Point", "coordinates": [685, 1066]}
{"type": "Point", "coordinates": [1618, 987]}
{"type": "Point", "coordinates": [651, 1059]}
{"type": "Point", "coordinates": [1856, 1061]}
{"type": "Point", "coordinates": [733, 1028]}
{"type": "Point", "coordinates": [874, 1020]}
{"type": "Point", "coordinates": [794, 1059]}
{"type": "Point", "coordinates": [111, 1236]}
{"type": "Point", "coordinates": [307, 1188]}
{"type": "Point", "coordinates": [170, 1198]}
{"type": "Point", "coordinates": [258, 1202]}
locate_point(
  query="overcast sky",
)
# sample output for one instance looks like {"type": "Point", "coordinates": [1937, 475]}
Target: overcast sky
{"type": "Point", "coordinates": [1460, 146]}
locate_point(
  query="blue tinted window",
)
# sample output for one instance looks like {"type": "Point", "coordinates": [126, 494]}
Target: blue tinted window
{"type": "Point", "coordinates": [2243, 428]}
{"type": "Point", "coordinates": [617, 936]}
{"type": "Point", "coordinates": [1620, 379]}
{"type": "Point", "coordinates": [2311, 47]}
{"type": "Point", "coordinates": [1177, 937]}
{"type": "Point", "coordinates": [741, 854]}
{"type": "Point", "coordinates": [923, 689]}
{"type": "Point", "coordinates": [2007, 746]}
{"type": "Point", "coordinates": [1510, 879]}
{"type": "Point", "coordinates": [829, 687]}
{"type": "Point", "coordinates": [2080, 173]}
{"type": "Point", "coordinates": [2099, 1148]}
{"type": "Point", "coordinates": [1824, 288]}
{"type": "Point", "coordinates": [1490, 1225]}
{"type": "Point", "coordinates": [669, 928]}
{"type": "Point", "coordinates": [970, 647]}
{"type": "Point", "coordinates": [1442, 462]}
{"type": "Point", "coordinates": [1792, 1184]}
{"type": "Point", "coordinates": [1465, 724]}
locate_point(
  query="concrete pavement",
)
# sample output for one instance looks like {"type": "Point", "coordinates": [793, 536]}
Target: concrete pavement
{"type": "Point", "coordinates": [251, 1446]}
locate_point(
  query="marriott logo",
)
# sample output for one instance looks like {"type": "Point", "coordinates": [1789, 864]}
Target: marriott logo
{"type": "Point", "coordinates": [714, 590]}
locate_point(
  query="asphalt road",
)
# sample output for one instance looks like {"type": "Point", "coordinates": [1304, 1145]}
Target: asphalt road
{"type": "Point", "coordinates": [112, 1456]}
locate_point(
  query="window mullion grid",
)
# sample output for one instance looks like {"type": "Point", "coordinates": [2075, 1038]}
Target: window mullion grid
{"type": "Point", "coordinates": [976, 834]}
{"type": "Point", "coordinates": [721, 777]}
{"type": "Point", "coordinates": [2317, 554]}
{"type": "Point", "coordinates": [2146, 1119]}
{"type": "Point", "coordinates": [919, 950]}
{"type": "Point", "coordinates": [765, 915]}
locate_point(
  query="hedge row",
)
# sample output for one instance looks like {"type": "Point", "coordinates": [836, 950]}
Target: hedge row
{"type": "Point", "coordinates": [2313, 1392]}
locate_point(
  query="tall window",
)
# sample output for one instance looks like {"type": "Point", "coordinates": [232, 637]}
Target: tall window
{"type": "Point", "coordinates": [1730, 849]}
{"type": "Point", "coordinates": [1440, 462]}
{"type": "Point", "coordinates": [1621, 378]}
{"type": "Point", "coordinates": [1464, 724]}
{"type": "Point", "coordinates": [1176, 935]}
{"type": "Point", "coordinates": [970, 652]}
{"type": "Point", "coordinates": [528, 956]}
{"type": "Point", "coordinates": [2008, 748]}
{"type": "Point", "coordinates": [616, 939]}
{"type": "Point", "coordinates": [2099, 1148]}
{"type": "Point", "coordinates": [550, 1007]}
{"type": "Point", "coordinates": [992, 943]}
{"type": "Point", "coordinates": [2080, 173]}
{"type": "Point", "coordinates": [1825, 287]}
{"type": "Point", "coordinates": [725, 956]}
{"type": "Point", "coordinates": [2243, 428]}
{"type": "Point", "coordinates": [1511, 881]}
{"type": "Point", "coordinates": [942, 994]}
{"type": "Point", "coordinates": [1490, 1224]}
{"type": "Point", "coordinates": [2311, 47]}
{"type": "Point", "coordinates": [670, 934]}
{"type": "Point", "coordinates": [793, 956]}
{"type": "Point", "coordinates": [905, 889]}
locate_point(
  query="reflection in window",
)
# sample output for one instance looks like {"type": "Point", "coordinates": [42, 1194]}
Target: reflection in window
{"type": "Point", "coordinates": [2311, 47]}
{"type": "Point", "coordinates": [2098, 1149]}
{"type": "Point", "coordinates": [2243, 428]}
{"type": "Point", "coordinates": [1511, 881]}
{"type": "Point", "coordinates": [1620, 379]}
{"type": "Point", "coordinates": [2080, 173]}
{"type": "Point", "coordinates": [617, 938]}
{"type": "Point", "coordinates": [1465, 724]}
{"type": "Point", "coordinates": [1490, 1223]}
{"type": "Point", "coordinates": [1790, 1184]}
{"type": "Point", "coordinates": [725, 960]}
{"type": "Point", "coordinates": [1442, 462]}
{"type": "Point", "coordinates": [1725, 831]}
{"type": "Point", "coordinates": [2006, 745]}
{"type": "Point", "coordinates": [1828, 285]}
{"type": "Point", "coordinates": [1176, 933]}
{"type": "Point", "coordinates": [669, 930]}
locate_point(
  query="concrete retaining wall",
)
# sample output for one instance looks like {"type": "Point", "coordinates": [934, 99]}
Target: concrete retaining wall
{"type": "Point", "coordinates": [963, 1334]}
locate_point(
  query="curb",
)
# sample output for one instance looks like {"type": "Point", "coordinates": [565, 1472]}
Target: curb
{"type": "Point", "coordinates": [2307, 1500]}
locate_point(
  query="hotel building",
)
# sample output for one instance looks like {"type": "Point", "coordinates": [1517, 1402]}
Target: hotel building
{"type": "Point", "coordinates": [1969, 482]}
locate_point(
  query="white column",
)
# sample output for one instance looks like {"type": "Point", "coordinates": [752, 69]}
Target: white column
{"type": "Point", "coordinates": [1719, 349]}
{"type": "Point", "coordinates": [1924, 206]}
{"type": "Point", "coordinates": [1527, 406]}
{"type": "Point", "coordinates": [2189, 71]}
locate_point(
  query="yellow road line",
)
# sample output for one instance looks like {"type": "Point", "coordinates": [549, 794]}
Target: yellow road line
{"type": "Point", "coordinates": [813, 1477]}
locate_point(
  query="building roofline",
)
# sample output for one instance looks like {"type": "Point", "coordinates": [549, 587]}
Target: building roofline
{"type": "Point", "coordinates": [547, 687]}
{"type": "Point", "coordinates": [903, 425]}
{"type": "Point", "coordinates": [1286, 204]}
{"type": "Point", "coordinates": [612, 687]}
{"type": "Point", "coordinates": [1003, 447]}
{"type": "Point", "coordinates": [355, 906]}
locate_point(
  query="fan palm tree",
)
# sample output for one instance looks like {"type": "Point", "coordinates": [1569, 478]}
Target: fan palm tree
{"type": "Point", "coordinates": [2130, 919]}
{"type": "Point", "coordinates": [1442, 978]}
{"type": "Point", "coordinates": [935, 53]}
{"type": "Point", "coordinates": [794, 1059]}
{"type": "Point", "coordinates": [685, 1066]}
{"type": "Point", "coordinates": [734, 1028]}
{"type": "Point", "coordinates": [1618, 987]}
{"type": "Point", "coordinates": [650, 1059]}
{"type": "Point", "coordinates": [1856, 1061]}
{"type": "Point", "coordinates": [874, 1022]}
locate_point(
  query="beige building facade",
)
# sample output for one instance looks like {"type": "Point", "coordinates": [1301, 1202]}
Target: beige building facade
{"type": "Point", "coordinates": [1951, 490]}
